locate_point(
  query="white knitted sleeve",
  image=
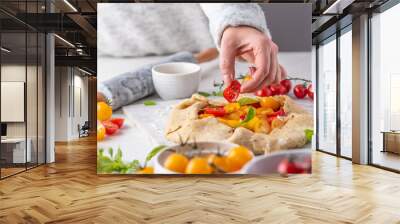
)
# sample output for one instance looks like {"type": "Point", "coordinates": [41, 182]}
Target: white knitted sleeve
{"type": "Point", "coordinates": [223, 15]}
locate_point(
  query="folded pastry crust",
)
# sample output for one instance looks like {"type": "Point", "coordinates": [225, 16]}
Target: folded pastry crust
{"type": "Point", "coordinates": [184, 124]}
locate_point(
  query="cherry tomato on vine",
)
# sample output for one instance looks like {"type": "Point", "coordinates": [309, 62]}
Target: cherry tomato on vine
{"type": "Point", "coordinates": [278, 89]}
{"type": "Point", "coordinates": [300, 91]}
{"type": "Point", "coordinates": [310, 91]}
{"type": "Point", "coordinates": [264, 91]}
{"type": "Point", "coordinates": [274, 89]}
{"type": "Point", "coordinates": [231, 93]}
{"type": "Point", "coordinates": [286, 83]}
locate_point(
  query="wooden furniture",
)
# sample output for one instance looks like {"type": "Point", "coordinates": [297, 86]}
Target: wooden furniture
{"type": "Point", "coordinates": [391, 141]}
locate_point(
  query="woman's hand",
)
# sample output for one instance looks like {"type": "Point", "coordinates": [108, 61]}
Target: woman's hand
{"type": "Point", "coordinates": [256, 48]}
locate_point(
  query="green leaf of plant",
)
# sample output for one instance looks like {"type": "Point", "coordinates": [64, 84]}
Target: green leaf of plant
{"type": "Point", "coordinates": [111, 152]}
{"type": "Point", "coordinates": [154, 152]}
{"type": "Point", "coordinates": [118, 156]}
{"type": "Point", "coordinates": [247, 100]}
{"type": "Point", "coordinates": [309, 134]}
{"type": "Point", "coordinates": [149, 103]}
{"type": "Point", "coordinates": [134, 165]}
{"type": "Point", "coordinates": [205, 94]}
{"type": "Point", "coordinates": [250, 115]}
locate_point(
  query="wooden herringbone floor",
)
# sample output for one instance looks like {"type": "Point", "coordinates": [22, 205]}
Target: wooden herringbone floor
{"type": "Point", "coordinates": [69, 191]}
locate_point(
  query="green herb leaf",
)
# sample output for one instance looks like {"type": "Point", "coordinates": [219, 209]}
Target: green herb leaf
{"type": "Point", "coordinates": [114, 164]}
{"type": "Point", "coordinates": [250, 115]}
{"type": "Point", "coordinates": [149, 103]}
{"type": "Point", "coordinates": [110, 151]}
{"type": "Point", "coordinates": [205, 94]}
{"type": "Point", "coordinates": [154, 152]}
{"type": "Point", "coordinates": [247, 100]}
{"type": "Point", "coordinates": [309, 134]}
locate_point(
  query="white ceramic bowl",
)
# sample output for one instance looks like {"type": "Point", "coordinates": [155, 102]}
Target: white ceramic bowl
{"type": "Point", "coordinates": [268, 164]}
{"type": "Point", "coordinates": [204, 146]}
{"type": "Point", "coordinates": [176, 80]}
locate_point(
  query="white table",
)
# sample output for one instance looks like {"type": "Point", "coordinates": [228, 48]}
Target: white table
{"type": "Point", "coordinates": [18, 149]}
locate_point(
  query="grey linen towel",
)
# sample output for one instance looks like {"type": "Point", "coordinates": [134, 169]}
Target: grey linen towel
{"type": "Point", "coordinates": [129, 87]}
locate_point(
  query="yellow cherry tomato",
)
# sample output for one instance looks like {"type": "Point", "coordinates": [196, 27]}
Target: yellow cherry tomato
{"type": "Point", "coordinates": [230, 123]}
{"type": "Point", "coordinates": [231, 107]}
{"type": "Point", "coordinates": [146, 170]}
{"type": "Point", "coordinates": [101, 132]}
{"type": "Point", "coordinates": [198, 165]}
{"type": "Point", "coordinates": [219, 161]}
{"type": "Point", "coordinates": [239, 156]}
{"type": "Point", "coordinates": [270, 102]}
{"type": "Point", "coordinates": [104, 111]}
{"type": "Point", "coordinates": [176, 162]}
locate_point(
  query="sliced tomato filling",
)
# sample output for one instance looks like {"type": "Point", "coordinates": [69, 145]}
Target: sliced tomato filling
{"type": "Point", "coordinates": [232, 92]}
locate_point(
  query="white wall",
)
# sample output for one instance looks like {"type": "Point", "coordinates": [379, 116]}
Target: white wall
{"type": "Point", "coordinates": [69, 85]}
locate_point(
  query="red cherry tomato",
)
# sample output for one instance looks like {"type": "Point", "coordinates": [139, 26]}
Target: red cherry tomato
{"type": "Point", "coordinates": [299, 91]}
{"type": "Point", "coordinates": [118, 121]}
{"type": "Point", "coordinates": [110, 127]}
{"type": "Point", "coordinates": [310, 91]}
{"type": "Point", "coordinates": [278, 89]}
{"type": "Point", "coordinates": [231, 93]}
{"type": "Point", "coordinates": [282, 90]}
{"type": "Point", "coordinates": [274, 89]}
{"type": "Point", "coordinates": [216, 111]}
{"type": "Point", "coordinates": [264, 91]}
{"type": "Point", "coordinates": [286, 83]}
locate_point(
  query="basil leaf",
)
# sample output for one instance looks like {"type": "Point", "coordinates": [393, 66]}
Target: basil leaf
{"type": "Point", "coordinates": [309, 134]}
{"type": "Point", "coordinates": [250, 115]}
{"type": "Point", "coordinates": [154, 152]}
{"type": "Point", "coordinates": [205, 94]}
{"type": "Point", "coordinates": [149, 103]}
{"type": "Point", "coordinates": [247, 100]}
